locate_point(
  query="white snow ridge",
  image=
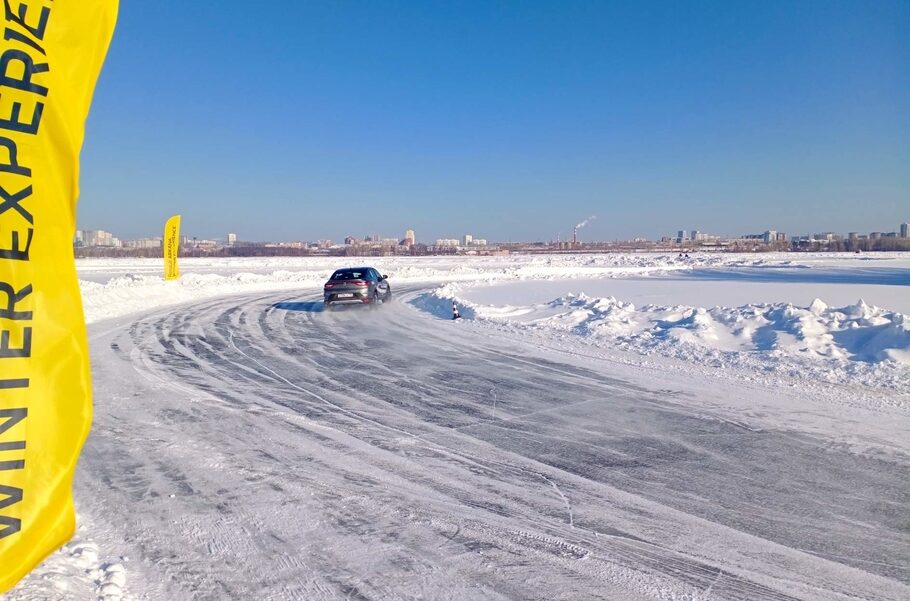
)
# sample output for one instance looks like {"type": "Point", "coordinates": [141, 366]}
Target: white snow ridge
{"type": "Point", "coordinates": [855, 344]}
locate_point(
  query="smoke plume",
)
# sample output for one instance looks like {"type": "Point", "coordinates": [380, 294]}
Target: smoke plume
{"type": "Point", "coordinates": [585, 222]}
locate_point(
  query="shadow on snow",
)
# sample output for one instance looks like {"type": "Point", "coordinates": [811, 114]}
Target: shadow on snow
{"type": "Point", "coordinates": [789, 275]}
{"type": "Point", "coordinates": [305, 306]}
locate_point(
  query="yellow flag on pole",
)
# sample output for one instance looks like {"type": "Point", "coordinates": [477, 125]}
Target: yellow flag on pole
{"type": "Point", "coordinates": [171, 247]}
{"type": "Point", "coordinates": [50, 57]}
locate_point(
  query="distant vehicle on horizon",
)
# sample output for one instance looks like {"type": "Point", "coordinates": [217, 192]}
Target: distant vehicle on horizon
{"type": "Point", "coordinates": [356, 286]}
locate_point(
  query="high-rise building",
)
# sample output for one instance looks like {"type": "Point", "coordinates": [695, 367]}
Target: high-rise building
{"type": "Point", "coordinates": [99, 238]}
{"type": "Point", "coordinates": [468, 239]}
{"type": "Point", "coordinates": [231, 239]}
{"type": "Point", "coordinates": [682, 236]}
{"type": "Point", "coordinates": [409, 239]}
{"type": "Point", "coordinates": [905, 230]}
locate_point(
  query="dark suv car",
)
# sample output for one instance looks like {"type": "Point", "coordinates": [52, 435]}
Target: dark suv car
{"type": "Point", "coordinates": [357, 286]}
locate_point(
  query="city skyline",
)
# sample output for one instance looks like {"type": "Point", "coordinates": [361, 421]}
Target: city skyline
{"type": "Point", "coordinates": [525, 117]}
{"type": "Point", "coordinates": [566, 233]}
{"type": "Point", "coordinates": [108, 238]}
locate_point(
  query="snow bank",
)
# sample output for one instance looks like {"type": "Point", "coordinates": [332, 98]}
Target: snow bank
{"type": "Point", "coordinates": [855, 344]}
{"type": "Point", "coordinates": [127, 294]}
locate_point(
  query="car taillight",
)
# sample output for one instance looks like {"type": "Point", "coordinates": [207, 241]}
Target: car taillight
{"type": "Point", "coordinates": [358, 283]}
{"type": "Point", "coordinates": [329, 285]}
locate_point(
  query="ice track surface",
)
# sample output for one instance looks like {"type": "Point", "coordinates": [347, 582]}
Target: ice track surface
{"type": "Point", "coordinates": [261, 448]}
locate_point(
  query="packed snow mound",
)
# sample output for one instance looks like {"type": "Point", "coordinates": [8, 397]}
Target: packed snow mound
{"type": "Point", "coordinates": [439, 302]}
{"type": "Point", "coordinates": [858, 343]}
{"type": "Point", "coordinates": [858, 332]}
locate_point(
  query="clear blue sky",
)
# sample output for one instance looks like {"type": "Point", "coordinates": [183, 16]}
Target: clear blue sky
{"type": "Point", "coordinates": [294, 120]}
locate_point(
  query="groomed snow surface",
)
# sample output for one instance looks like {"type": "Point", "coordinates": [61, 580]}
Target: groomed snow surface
{"type": "Point", "coordinates": [622, 426]}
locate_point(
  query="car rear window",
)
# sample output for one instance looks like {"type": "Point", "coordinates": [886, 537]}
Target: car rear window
{"type": "Point", "coordinates": [348, 275]}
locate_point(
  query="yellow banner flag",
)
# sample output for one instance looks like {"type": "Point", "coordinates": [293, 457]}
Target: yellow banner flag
{"type": "Point", "coordinates": [50, 56]}
{"type": "Point", "coordinates": [171, 247]}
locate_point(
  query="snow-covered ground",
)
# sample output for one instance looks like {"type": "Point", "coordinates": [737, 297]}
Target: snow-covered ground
{"type": "Point", "coordinates": [781, 324]}
{"type": "Point", "coordinates": [597, 427]}
{"type": "Point", "coordinates": [814, 318]}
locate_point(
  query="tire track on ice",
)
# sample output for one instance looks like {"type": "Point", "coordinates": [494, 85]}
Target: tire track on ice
{"type": "Point", "coordinates": [490, 488]}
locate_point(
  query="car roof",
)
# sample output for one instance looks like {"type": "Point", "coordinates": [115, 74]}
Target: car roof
{"type": "Point", "coordinates": [346, 269]}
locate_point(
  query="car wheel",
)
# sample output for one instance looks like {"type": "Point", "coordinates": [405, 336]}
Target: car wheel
{"type": "Point", "coordinates": [388, 296]}
{"type": "Point", "coordinates": [374, 300]}
{"type": "Point", "coordinates": [327, 306]}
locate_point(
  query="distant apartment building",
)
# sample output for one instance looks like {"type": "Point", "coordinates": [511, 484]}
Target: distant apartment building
{"type": "Point", "coordinates": [143, 243]}
{"type": "Point", "coordinates": [349, 240]}
{"type": "Point", "coordinates": [231, 238]}
{"type": "Point", "coordinates": [409, 238]}
{"type": "Point", "coordinates": [448, 242]}
{"type": "Point", "coordinates": [95, 238]}
{"type": "Point", "coordinates": [905, 230]}
{"type": "Point", "coordinates": [292, 244]}
{"type": "Point", "coordinates": [468, 239]}
{"type": "Point", "coordinates": [690, 236]}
